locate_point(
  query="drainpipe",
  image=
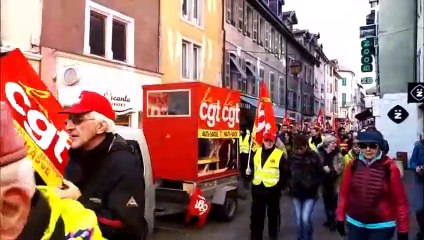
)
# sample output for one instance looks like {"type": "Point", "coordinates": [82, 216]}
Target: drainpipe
{"type": "Point", "coordinates": [415, 39]}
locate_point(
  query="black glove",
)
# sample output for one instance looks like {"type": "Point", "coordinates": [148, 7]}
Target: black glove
{"type": "Point", "coordinates": [402, 236]}
{"type": "Point", "coordinates": [340, 226]}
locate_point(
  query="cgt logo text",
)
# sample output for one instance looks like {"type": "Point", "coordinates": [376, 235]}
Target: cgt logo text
{"type": "Point", "coordinates": [213, 113]}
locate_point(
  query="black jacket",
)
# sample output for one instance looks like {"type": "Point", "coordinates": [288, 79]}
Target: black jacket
{"type": "Point", "coordinates": [305, 172]}
{"type": "Point", "coordinates": [39, 219]}
{"type": "Point", "coordinates": [111, 181]}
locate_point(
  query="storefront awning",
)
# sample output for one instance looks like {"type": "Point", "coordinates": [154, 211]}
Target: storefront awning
{"type": "Point", "coordinates": [239, 68]}
{"type": "Point", "coordinates": [252, 103]}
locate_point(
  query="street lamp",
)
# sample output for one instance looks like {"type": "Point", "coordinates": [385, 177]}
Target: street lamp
{"type": "Point", "coordinates": [296, 67]}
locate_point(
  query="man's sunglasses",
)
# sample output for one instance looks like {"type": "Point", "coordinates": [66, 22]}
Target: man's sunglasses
{"type": "Point", "coordinates": [368, 145]}
{"type": "Point", "coordinates": [76, 119]}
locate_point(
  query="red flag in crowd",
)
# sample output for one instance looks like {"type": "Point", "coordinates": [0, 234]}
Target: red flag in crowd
{"type": "Point", "coordinates": [265, 119]}
{"type": "Point", "coordinates": [198, 207]}
{"type": "Point", "coordinates": [319, 121]}
{"type": "Point", "coordinates": [286, 120]}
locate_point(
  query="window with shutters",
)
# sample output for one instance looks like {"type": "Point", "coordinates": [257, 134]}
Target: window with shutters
{"type": "Point", "coordinates": [281, 90]}
{"type": "Point", "coordinates": [290, 98]}
{"type": "Point", "coordinates": [242, 82]}
{"type": "Point", "coordinates": [254, 82]}
{"type": "Point", "coordinates": [277, 44]}
{"type": "Point", "coordinates": [240, 15]}
{"type": "Point", "coordinates": [229, 10]}
{"type": "Point", "coordinates": [312, 105]}
{"type": "Point", "coordinates": [267, 35]}
{"type": "Point", "coordinates": [227, 70]}
{"type": "Point", "coordinates": [305, 103]}
{"type": "Point", "coordinates": [255, 26]}
{"type": "Point", "coordinates": [282, 48]}
{"type": "Point", "coordinates": [272, 89]}
{"type": "Point", "coordinates": [261, 30]}
{"type": "Point", "coordinates": [294, 100]}
{"type": "Point", "coordinates": [249, 20]}
{"type": "Point", "coordinates": [272, 39]}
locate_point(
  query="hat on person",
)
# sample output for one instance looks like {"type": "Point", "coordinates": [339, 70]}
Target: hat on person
{"type": "Point", "coordinates": [269, 136]}
{"type": "Point", "coordinates": [92, 102]}
{"type": "Point", "coordinates": [371, 136]}
{"type": "Point", "coordinates": [12, 147]}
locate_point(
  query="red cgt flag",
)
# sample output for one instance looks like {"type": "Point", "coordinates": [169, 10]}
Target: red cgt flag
{"type": "Point", "coordinates": [198, 207]}
{"type": "Point", "coordinates": [265, 119]}
{"type": "Point", "coordinates": [320, 119]}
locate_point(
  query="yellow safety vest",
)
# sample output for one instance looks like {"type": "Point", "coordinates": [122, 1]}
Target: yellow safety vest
{"type": "Point", "coordinates": [269, 174]}
{"type": "Point", "coordinates": [79, 222]}
{"type": "Point", "coordinates": [313, 147]}
{"type": "Point", "coordinates": [244, 144]}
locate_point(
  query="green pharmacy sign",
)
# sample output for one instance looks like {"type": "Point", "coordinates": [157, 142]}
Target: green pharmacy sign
{"type": "Point", "coordinates": [366, 80]}
{"type": "Point", "coordinates": [367, 50]}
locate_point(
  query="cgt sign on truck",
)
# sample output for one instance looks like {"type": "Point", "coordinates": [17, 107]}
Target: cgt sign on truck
{"type": "Point", "coordinates": [36, 117]}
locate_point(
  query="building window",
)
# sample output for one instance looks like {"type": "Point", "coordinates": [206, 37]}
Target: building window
{"type": "Point", "coordinates": [123, 120]}
{"type": "Point", "coordinates": [240, 15]}
{"type": "Point", "coordinates": [272, 39]}
{"type": "Point", "coordinates": [255, 26]}
{"type": "Point", "coordinates": [190, 60]}
{"type": "Point", "coordinates": [272, 86]}
{"type": "Point", "coordinates": [192, 11]}
{"type": "Point", "coordinates": [267, 32]}
{"type": "Point", "coordinates": [305, 102]}
{"type": "Point", "coordinates": [108, 33]}
{"type": "Point", "coordinates": [229, 10]}
{"type": "Point", "coordinates": [343, 81]}
{"type": "Point", "coordinates": [175, 103]}
{"type": "Point", "coordinates": [261, 27]}
{"type": "Point", "coordinates": [281, 90]}
{"type": "Point", "coordinates": [343, 99]}
{"type": "Point", "coordinates": [277, 44]}
{"type": "Point", "coordinates": [249, 21]}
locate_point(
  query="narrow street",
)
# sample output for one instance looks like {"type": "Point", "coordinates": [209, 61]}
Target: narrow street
{"type": "Point", "coordinates": [173, 229]}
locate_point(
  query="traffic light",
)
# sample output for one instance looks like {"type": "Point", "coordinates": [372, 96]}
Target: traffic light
{"type": "Point", "coordinates": [367, 50]}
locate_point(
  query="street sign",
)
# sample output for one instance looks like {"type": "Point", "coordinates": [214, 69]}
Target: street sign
{"type": "Point", "coordinates": [398, 114]}
{"type": "Point", "coordinates": [366, 80]}
{"type": "Point", "coordinates": [415, 92]}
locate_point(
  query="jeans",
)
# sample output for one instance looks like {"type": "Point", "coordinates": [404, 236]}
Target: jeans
{"type": "Point", "coordinates": [357, 233]}
{"type": "Point", "coordinates": [304, 210]}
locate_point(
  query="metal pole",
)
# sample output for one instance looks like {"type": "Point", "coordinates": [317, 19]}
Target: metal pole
{"type": "Point", "coordinates": [248, 170]}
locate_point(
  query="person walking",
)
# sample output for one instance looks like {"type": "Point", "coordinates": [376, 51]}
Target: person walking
{"type": "Point", "coordinates": [372, 198]}
{"type": "Point", "coordinates": [305, 170]}
{"type": "Point", "coordinates": [417, 164]}
{"type": "Point", "coordinates": [266, 188]}
{"type": "Point", "coordinates": [333, 168]}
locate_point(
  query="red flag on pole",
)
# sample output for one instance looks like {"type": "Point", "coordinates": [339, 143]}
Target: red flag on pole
{"type": "Point", "coordinates": [319, 122]}
{"type": "Point", "coordinates": [265, 119]}
{"type": "Point", "coordinates": [286, 120]}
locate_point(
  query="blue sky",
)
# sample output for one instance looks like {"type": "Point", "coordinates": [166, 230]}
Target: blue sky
{"type": "Point", "coordinates": [338, 22]}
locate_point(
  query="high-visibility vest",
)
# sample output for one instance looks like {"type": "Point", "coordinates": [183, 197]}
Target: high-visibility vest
{"type": "Point", "coordinates": [312, 145]}
{"type": "Point", "coordinates": [244, 144]}
{"type": "Point", "coordinates": [269, 174]}
{"type": "Point", "coordinates": [80, 222]}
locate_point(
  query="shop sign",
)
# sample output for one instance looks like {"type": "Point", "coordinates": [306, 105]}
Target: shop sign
{"type": "Point", "coordinates": [120, 102]}
{"type": "Point", "coordinates": [219, 113]}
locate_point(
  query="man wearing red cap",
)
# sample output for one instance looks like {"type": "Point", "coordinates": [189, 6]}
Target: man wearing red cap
{"type": "Point", "coordinates": [27, 212]}
{"type": "Point", "coordinates": [104, 172]}
{"type": "Point", "coordinates": [266, 188]}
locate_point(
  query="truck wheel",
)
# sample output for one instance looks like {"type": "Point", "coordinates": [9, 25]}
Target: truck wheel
{"type": "Point", "coordinates": [228, 210]}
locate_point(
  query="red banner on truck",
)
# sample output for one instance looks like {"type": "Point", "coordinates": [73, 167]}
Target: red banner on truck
{"type": "Point", "coordinates": [219, 113]}
{"type": "Point", "coordinates": [35, 113]}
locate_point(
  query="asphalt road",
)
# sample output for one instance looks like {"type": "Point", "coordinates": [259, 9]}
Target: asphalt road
{"type": "Point", "coordinates": [172, 228]}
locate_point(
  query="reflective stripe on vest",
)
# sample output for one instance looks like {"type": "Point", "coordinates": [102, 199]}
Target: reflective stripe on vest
{"type": "Point", "coordinates": [244, 144]}
{"type": "Point", "coordinates": [269, 174]}
{"type": "Point", "coordinates": [313, 147]}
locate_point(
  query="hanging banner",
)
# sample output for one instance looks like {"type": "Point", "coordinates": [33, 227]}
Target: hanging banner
{"type": "Point", "coordinates": [35, 113]}
{"type": "Point", "coordinates": [219, 113]}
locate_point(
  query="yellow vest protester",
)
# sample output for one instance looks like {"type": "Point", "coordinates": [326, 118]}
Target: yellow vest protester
{"type": "Point", "coordinates": [269, 174]}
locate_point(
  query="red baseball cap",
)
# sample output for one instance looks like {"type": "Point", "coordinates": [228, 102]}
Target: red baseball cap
{"type": "Point", "coordinates": [92, 102]}
{"type": "Point", "coordinates": [269, 136]}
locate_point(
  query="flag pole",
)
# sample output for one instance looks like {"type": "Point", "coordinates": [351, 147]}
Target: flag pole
{"type": "Point", "coordinates": [248, 169]}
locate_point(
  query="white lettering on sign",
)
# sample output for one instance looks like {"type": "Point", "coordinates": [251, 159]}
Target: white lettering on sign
{"type": "Point", "coordinates": [213, 113]}
{"type": "Point", "coordinates": [398, 114]}
{"type": "Point", "coordinates": [46, 134]}
{"type": "Point", "coordinates": [201, 205]}
{"type": "Point", "coordinates": [262, 125]}
{"type": "Point", "coordinates": [419, 93]}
